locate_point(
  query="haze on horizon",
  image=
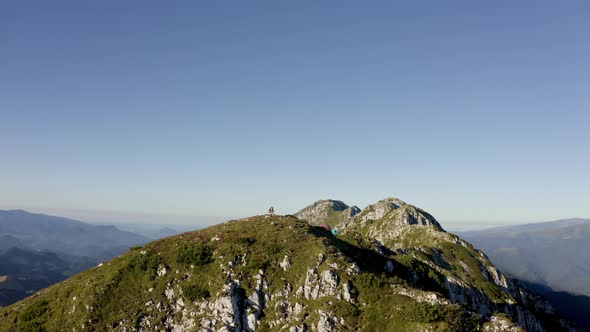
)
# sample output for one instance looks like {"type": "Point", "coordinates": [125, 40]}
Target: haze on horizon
{"type": "Point", "coordinates": [476, 112]}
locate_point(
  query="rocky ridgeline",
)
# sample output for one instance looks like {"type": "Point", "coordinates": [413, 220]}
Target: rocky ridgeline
{"type": "Point", "coordinates": [392, 225]}
{"type": "Point", "coordinates": [390, 268]}
{"type": "Point", "coordinates": [398, 212]}
{"type": "Point", "coordinates": [390, 212]}
{"type": "Point", "coordinates": [328, 211]}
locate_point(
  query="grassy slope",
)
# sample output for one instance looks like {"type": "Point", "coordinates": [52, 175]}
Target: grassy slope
{"type": "Point", "coordinates": [103, 297]}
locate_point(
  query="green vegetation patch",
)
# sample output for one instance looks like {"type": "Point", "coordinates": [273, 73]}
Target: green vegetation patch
{"type": "Point", "coordinates": [144, 262]}
{"type": "Point", "coordinates": [455, 316]}
{"type": "Point", "coordinates": [273, 249]}
{"type": "Point", "coordinates": [31, 319]}
{"type": "Point", "coordinates": [195, 292]}
{"type": "Point", "coordinates": [428, 278]}
{"type": "Point", "coordinates": [194, 253]}
{"type": "Point", "coordinates": [34, 311]}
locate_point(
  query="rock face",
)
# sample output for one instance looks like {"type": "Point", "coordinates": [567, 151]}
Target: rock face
{"type": "Point", "coordinates": [390, 268]}
{"type": "Point", "coordinates": [382, 208]}
{"type": "Point", "coordinates": [390, 211]}
{"type": "Point", "coordinates": [327, 211]}
{"type": "Point", "coordinates": [399, 212]}
{"type": "Point", "coordinates": [393, 226]}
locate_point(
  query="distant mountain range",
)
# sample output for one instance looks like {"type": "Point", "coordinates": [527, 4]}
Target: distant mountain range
{"type": "Point", "coordinates": [22, 272]}
{"type": "Point", "coordinates": [38, 250]}
{"type": "Point", "coordinates": [553, 257]}
{"type": "Point", "coordinates": [157, 230]}
{"type": "Point", "coordinates": [65, 236]}
{"type": "Point", "coordinates": [556, 254]}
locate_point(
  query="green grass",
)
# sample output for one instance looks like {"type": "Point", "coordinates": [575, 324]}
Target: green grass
{"type": "Point", "coordinates": [32, 318]}
{"type": "Point", "coordinates": [195, 292]}
{"type": "Point", "coordinates": [197, 264]}
{"type": "Point", "coordinates": [194, 253]}
{"type": "Point", "coordinates": [139, 262]}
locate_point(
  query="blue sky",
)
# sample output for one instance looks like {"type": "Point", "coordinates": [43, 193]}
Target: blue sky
{"type": "Point", "coordinates": [475, 111]}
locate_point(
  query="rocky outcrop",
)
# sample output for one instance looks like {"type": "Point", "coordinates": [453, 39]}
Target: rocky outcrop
{"type": "Point", "coordinates": [391, 210]}
{"type": "Point", "coordinates": [392, 225]}
{"type": "Point", "coordinates": [501, 324]}
{"type": "Point", "coordinates": [329, 322]}
{"type": "Point", "coordinates": [381, 208]}
{"type": "Point", "coordinates": [398, 213]}
{"type": "Point", "coordinates": [231, 310]}
{"type": "Point", "coordinates": [327, 211]}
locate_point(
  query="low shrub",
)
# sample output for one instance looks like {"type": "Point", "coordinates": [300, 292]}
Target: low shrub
{"type": "Point", "coordinates": [370, 281]}
{"type": "Point", "coordinates": [428, 278]}
{"type": "Point", "coordinates": [34, 311]}
{"type": "Point", "coordinates": [195, 292]}
{"type": "Point", "coordinates": [30, 320]}
{"type": "Point", "coordinates": [194, 253]}
{"type": "Point", "coordinates": [273, 249]}
{"type": "Point", "coordinates": [33, 326]}
{"type": "Point", "coordinates": [144, 262]}
{"type": "Point", "coordinates": [424, 312]}
{"type": "Point", "coordinates": [460, 320]}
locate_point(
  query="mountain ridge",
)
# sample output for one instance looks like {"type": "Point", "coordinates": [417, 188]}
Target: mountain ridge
{"type": "Point", "coordinates": [553, 224]}
{"type": "Point", "coordinates": [274, 272]}
{"type": "Point", "coordinates": [71, 245]}
{"type": "Point", "coordinates": [43, 232]}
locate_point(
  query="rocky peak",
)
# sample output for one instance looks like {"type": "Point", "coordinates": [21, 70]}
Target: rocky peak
{"type": "Point", "coordinates": [327, 211]}
{"type": "Point", "coordinates": [324, 204]}
{"type": "Point", "coordinates": [382, 208]}
{"type": "Point", "coordinates": [397, 212]}
{"type": "Point", "coordinates": [391, 213]}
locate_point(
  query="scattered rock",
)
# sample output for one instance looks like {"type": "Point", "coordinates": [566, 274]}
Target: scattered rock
{"type": "Point", "coordinates": [161, 271]}
{"type": "Point", "coordinates": [285, 263]}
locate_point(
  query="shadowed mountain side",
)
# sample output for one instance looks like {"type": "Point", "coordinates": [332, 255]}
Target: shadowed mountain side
{"type": "Point", "coordinates": [570, 306]}
{"type": "Point", "coordinates": [8, 241]}
{"type": "Point", "coordinates": [555, 254]}
{"type": "Point", "coordinates": [22, 272]}
{"type": "Point", "coordinates": [38, 250]}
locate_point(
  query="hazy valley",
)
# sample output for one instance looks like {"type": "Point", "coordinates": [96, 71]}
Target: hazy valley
{"type": "Point", "coordinates": [38, 250]}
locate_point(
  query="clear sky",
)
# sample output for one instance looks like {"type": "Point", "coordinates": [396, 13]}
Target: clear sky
{"type": "Point", "coordinates": [475, 111]}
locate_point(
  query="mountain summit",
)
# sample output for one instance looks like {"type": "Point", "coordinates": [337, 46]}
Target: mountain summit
{"type": "Point", "coordinates": [328, 211]}
{"type": "Point", "coordinates": [391, 267]}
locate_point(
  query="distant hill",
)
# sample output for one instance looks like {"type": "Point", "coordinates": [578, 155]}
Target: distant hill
{"type": "Point", "coordinates": [8, 241]}
{"type": "Point", "coordinates": [162, 228]}
{"type": "Point", "coordinates": [570, 306]}
{"type": "Point", "coordinates": [555, 254]}
{"type": "Point", "coordinates": [64, 236]}
{"type": "Point", "coordinates": [553, 257]}
{"type": "Point", "coordinates": [165, 232]}
{"type": "Point", "coordinates": [38, 250]}
{"type": "Point", "coordinates": [22, 272]}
